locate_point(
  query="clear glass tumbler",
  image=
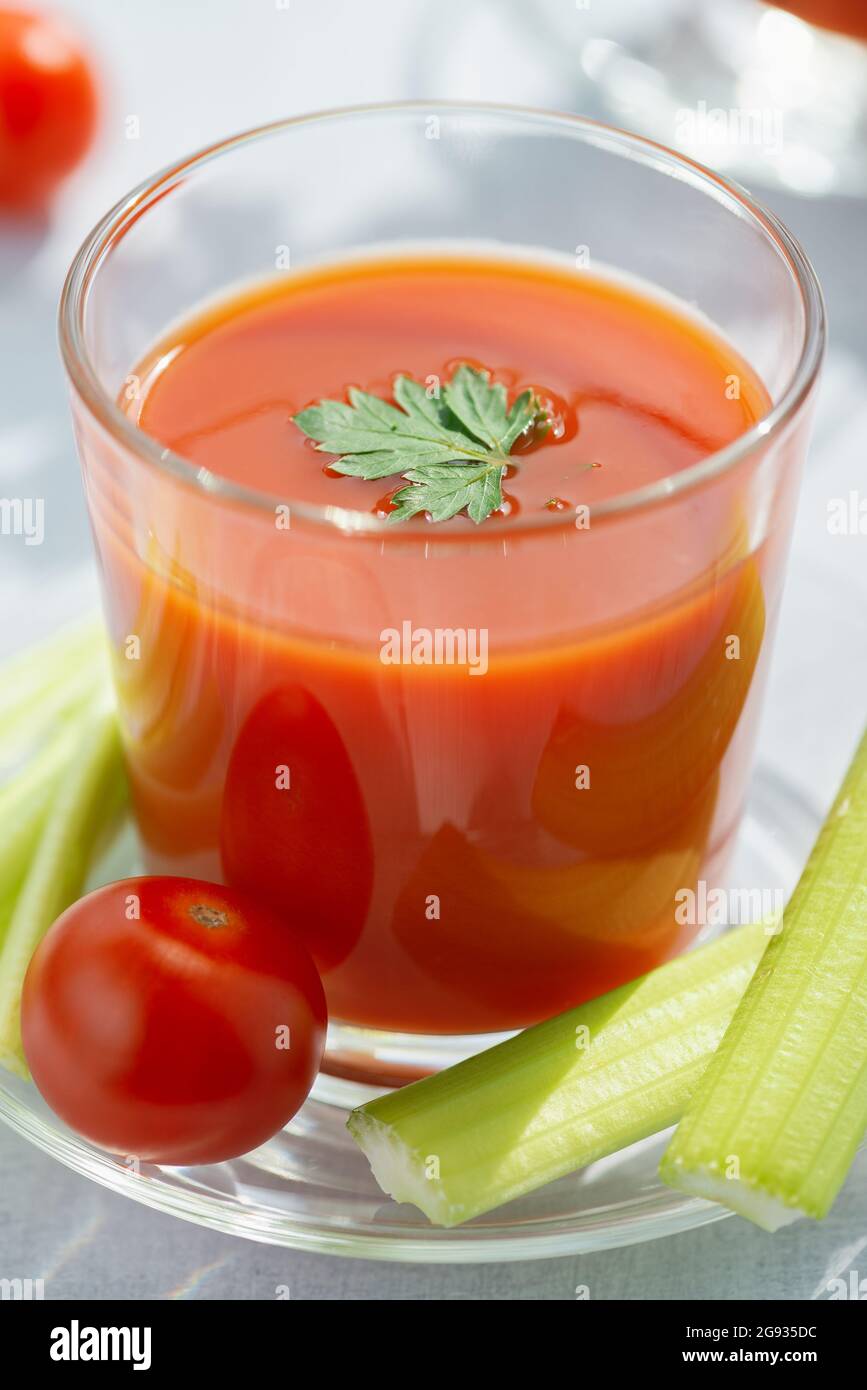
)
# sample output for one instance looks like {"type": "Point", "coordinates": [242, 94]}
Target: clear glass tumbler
{"type": "Point", "coordinates": [227, 626]}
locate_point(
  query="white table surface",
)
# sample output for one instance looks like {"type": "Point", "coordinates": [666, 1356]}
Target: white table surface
{"type": "Point", "coordinates": [192, 71]}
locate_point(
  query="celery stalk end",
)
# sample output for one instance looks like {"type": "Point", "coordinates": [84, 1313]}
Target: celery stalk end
{"type": "Point", "coordinates": [401, 1171]}
{"type": "Point", "coordinates": [746, 1199]}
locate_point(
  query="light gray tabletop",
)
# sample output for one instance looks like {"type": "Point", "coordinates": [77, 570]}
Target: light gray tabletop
{"type": "Point", "coordinates": [195, 71]}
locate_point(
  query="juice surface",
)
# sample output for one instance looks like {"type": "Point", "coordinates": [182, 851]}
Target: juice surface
{"type": "Point", "coordinates": [637, 391]}
{"type": "Point", "coordinates": [434, 837]}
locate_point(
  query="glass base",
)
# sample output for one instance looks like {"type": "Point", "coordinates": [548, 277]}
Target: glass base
{"type": "Point", "coordinates": [382, 1059]}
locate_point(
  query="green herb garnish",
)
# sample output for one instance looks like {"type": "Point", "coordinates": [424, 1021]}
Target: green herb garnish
{"type": "Point", "coordinates": [453, 448]}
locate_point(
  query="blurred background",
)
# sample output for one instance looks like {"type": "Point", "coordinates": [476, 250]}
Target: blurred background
{"type": "Point", "coordinates": [754, 90]}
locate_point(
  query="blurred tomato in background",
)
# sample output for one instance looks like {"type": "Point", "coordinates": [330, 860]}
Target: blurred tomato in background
{"type": "Point", "coordinates": [48, 106]}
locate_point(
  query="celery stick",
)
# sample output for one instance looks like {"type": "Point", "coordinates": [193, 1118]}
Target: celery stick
{"type": "Point", "coordinates": [27, 729]}
{"type": "Point", "coordinates": [773, 1127]}
{"type": "Point", "coordinates": [86, 806]}
{"type": "Point", "coordinates": [561, 1094]}
{"type": "Point", "coordinates": [24, 805]}
{"type": "Point", "coordinates": [49, 683]}
{"type": "Point", "coordinates": [27, 675]}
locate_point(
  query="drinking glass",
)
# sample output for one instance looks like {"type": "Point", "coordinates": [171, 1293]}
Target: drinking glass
{"type": "Point", "coordinates": [221, 599]}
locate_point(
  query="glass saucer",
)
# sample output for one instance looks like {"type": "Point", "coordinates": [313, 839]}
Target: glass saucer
{"type": "Point", "coordinates": [310, 1188]}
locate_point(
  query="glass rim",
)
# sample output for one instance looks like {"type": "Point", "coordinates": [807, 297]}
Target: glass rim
{"type": "Point", "coordinates": [111, 228]}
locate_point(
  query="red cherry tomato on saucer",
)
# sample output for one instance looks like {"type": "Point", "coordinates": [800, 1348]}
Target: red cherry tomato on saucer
{"type": "Point", "coordinates": [172, 1020]}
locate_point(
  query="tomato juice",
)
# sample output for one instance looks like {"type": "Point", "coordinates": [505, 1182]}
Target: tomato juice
{"type": "Point", "coordinates": [460, 854]}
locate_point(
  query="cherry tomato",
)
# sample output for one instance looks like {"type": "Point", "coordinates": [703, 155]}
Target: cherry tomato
{"type": "Point", "coordinates": [48, 105]}
{"type": "Point", "coordinates": [172, 1020]}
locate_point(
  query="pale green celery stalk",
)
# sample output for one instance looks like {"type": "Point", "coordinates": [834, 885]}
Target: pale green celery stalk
{"type": "Point", "coordinates": [86, 807]}
{"type": "Point", "coordinates": [561, 1094]}
{"type": "Point", "coordinates": [774, 1125]}
{"type": "Point", "coordinates": [49, 683]}
{"type": "Point", "coordinates": [24, 805]}
{"type": "Point", "coordinates": [26, 675]}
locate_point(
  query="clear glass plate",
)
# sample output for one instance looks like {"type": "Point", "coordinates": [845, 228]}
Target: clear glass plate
{"type": "Point", "coordinates": [310, 1188]}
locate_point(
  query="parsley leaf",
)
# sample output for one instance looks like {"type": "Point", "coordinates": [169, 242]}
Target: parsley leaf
{"type": "Point", "coordinates": [444, 489]}
{"type": "Point", "coordinates": [452, 449]}
{"type": "Point", "coordinates": [481, 409]}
